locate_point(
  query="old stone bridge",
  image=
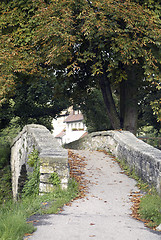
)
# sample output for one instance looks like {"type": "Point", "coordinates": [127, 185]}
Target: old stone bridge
{"type": "Point", "coordinates": [104, 211]}
{"type": "Point", "coordinates": [145, 159]}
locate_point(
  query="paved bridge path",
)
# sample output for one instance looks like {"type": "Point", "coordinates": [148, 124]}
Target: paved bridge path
{"type": "Point", "coordinates": [104, 213]}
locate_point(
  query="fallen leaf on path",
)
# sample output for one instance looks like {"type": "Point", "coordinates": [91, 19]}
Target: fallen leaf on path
{"type": "Point", "coordinates": [34, 221]}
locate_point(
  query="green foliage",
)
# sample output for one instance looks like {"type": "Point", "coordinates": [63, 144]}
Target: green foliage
{"type": "Point", "coordinates": [6, 136]}
{"type": "Point", "coordinates": [33, 158]}
{"type": "Point", "coordinates": [94, 111]}
{"type": "Point", "coordinates": [151, 4]}
{"type": "Point", "coordinates": [13, 226]}
{"type": "Point", "coordinates": [150, 208]}
{"type": "Point", "coordinates": [13, 216]}
{"type": "Point", "coordinates": [83, 44]}
{"type": "Point", "coordinates": [54, 179]}
{"type": "Point", "coordinates": [149, 131]}
{"type": "Point", "coordinates": [147, 116]}
{"type": "Point", "coordinates": [4, 155]}
{"type": "Point", "coordinates": [5, 184]}
{"type": "Point", "coordinates": [31, 186]}
{"type": "Point", "coordinates": [5, 115]}
{"type": "Point", "coordinates": [150, 135]}
{"type": "Point", "coordinates": [34, 100]}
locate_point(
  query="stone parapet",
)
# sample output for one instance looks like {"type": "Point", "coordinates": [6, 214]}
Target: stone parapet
{"type": "Point", "coordinates": [53, 158]}
{"type": "Point", "coordinates": [145, 159]}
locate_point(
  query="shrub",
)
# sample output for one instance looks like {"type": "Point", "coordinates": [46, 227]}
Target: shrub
{"type": "Point", "coordinates": [4, 155]}
{"type": "Point", "coordinates": [54, 179]}
{"type": "Point", "coordinates": [5, 184]}
{"type": "Point", "coordinates": [31, 187]}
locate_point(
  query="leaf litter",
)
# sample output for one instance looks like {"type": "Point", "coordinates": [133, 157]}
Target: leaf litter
{"type": "Point", "coordinates": [77, 166]}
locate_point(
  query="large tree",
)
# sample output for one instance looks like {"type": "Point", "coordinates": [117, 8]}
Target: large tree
{"type": "Point", "coordinates": [25, 93]}
{"type": "Point", "coordinates": [111, 44]}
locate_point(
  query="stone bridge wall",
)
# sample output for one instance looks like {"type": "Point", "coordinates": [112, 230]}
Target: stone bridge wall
{"type": "Point", "coordinates": [145, 159]}
{"type": "Point", "coordinates": [53, 158]}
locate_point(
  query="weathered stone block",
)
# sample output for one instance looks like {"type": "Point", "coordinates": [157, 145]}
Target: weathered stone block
{"type": "Point", "coordinates": [46, 187]}
{"type": "Point", "coordinates": [44, 178]}
{"type": "Point", "coordinates": [46, 169]}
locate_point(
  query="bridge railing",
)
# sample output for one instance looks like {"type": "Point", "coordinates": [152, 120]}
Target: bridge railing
{"type": "Point", "coordinates": [138, 155]}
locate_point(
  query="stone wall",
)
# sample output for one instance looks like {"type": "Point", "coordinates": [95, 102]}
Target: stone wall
{"type": "Point", "coordinates": [145, 159]}
{"type": "Point", "coordinates": [53, 158]}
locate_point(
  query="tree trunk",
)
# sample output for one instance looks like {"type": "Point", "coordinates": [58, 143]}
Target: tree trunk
{"type": "Point", "coordinates": [129, 99]}
{"type": "Point", "coordinates": [109, 101]}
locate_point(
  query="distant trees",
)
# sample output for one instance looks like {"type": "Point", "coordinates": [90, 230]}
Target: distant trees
{"type": "Point", "coordinates": [34, 101]}
{"type": "Point", "coordinates": [94, 111]}
{"type": "Point", "coordinates": [111, 45]}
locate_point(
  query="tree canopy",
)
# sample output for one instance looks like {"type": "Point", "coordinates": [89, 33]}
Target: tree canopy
{"type": "Point", "coordinates": [111, 44]}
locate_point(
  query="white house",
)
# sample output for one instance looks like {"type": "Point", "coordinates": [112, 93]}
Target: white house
{"type": "Point", "coordinates": [68, 128]}
{"type": "Point", "coordinates": [58, 124]}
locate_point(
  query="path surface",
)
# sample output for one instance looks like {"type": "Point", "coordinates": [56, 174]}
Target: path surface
{"type": "Point", "coordinates": [104, 214]}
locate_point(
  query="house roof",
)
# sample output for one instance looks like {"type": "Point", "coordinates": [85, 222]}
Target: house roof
{"type": "Point", "coordinates": [74, 118]}
{"type": "Point", "coordinates": [84, 134]}
{"type": "Point", "coordinates": [61, 134]}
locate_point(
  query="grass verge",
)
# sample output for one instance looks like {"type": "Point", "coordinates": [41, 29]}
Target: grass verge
{"type": "Point", "coordinates": [150, 209]}
{"type": "Point", "coordinates": [147, 206]}
{"type": "Point", "coordinates": [13, 215]}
